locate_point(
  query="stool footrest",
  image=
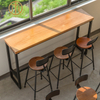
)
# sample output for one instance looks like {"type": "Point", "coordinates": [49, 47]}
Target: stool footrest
{"type": "Point", "coordinates": [32, 87]}
{"type": "Point", "coordinates": [84, 66]}
{"type": "Point", "coordinates": [58, 65]}
{"type": "Point", "coordinates": [39, 89]}
{"type": "Point", "coordinates": [61, 78]}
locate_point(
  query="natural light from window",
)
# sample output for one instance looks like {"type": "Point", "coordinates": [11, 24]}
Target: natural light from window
{"type": "Point", "coordinates": [41, 6]}
{"type": "Point", "coordinates": [12, 11]}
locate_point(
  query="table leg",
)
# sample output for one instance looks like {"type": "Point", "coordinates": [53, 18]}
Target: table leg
{"type": "Point", "coordinates": [13, 72]}
{"type": "Point", "coordinates": [18, 71]}
{"type": "Point", "coordinates": [77, 35]}
{"type": "Point", "coordinates": [88, 35]}
{"type": "Point", "coordinates": [89, 30]}
{"type": "Point", "coordinates": [9, 60]}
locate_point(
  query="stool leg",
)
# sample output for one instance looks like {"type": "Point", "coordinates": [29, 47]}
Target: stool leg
{"type": "Point", "coordinates": [58, 74]}
{"type": "Point", "coordinates": [71, 56]}
{"type": "Point", "coordinates": [81, 62]}
{"type": "Point", "coordinates": [93, 59]}
{"type": "Point", "coordinates": [51, 63]}
{"type": "Point", "coordinates": [41, 75]}
{"type": "Point", "coordinates": [49, 79]}
{"type": "Point", "coordinates": [85, 52]}
{"type": "Point", "coordinates": [72, 70]}
{"type": "Point", "coordinates": [97, 87]}
{"type": "Point", "coordinates": [74, 97]}
{"type": "Point", "coordinates": [35, 85]}
{"type": "Point", "coordinates": [63, 64]}
{"type": "Point", "coordinates": [26, 77]}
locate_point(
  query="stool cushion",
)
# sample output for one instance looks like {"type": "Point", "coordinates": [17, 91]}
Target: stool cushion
{"type": "Point", "coordinates": [82, 42]}
{"type": "Point", "coordinates": [86, 93]}
{"type": "Point", "coordinates": [58, 53]}
{"type": "Point", "coordinates": [32, 63]}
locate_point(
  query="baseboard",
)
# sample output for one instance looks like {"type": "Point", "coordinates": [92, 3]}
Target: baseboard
{"type": "Point", "coordinates": [50, 53]}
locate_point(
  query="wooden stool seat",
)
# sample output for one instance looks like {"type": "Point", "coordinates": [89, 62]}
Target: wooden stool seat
{"type": "Point", "coordinates": [86, 93]}
{"type": "Point", "coordinates": [32, 63]}
{"type": "Point", "coordinates": [82, 42]}
{"type": "Point", "coordinates": [58, 53]}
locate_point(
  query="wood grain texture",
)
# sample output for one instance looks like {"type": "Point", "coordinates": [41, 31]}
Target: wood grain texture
{"type": "Point", "coordinates": [86, 93]}
{"type": "Point", "coordinates": [29, 38]}
{"type": "Point", "coordinates": [35, 35]}
{"type": "Point", "coordinates": [82, 42]}
{"type": "Point", "coordinates": [68, 21]}
{"type": "Point", "coordinates": [32, 63]}
{"type": "Point", "coordinates": [58, 53]}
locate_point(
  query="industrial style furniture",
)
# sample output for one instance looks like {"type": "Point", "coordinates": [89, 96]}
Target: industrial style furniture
{"type": "Point", "coordinates": [52, 94]}
{"type": "Point", "coordinates": [85, 43]}
{"type": "Point", "coordinates": [98, 86]}
{"type": "Point", "coordinates": [38, 64]}
{"type": "Point", "coordinates": [63, 54]}
{"type": "Point", "coordinates": [84, 93]}
{"type": "Point", "coordinates": [42, 32]}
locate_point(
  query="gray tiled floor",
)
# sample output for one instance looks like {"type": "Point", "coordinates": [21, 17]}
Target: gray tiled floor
{"type": "Point", "coordinates": [9, 91]}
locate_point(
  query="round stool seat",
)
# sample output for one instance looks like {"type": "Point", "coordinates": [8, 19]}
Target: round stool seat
{"type": "Point", "coordinates": [82, 42]}
{"type": "Point", "coordinates": [32, 63]}
{"type": "Point", "coordinates": [58, 53]}
{"type": "Point", "coordinates": [86, 93]}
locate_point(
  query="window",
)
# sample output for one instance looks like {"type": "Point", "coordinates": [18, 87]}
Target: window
{"type": "Point", "coordinates": [15, 12]}
{"type": "Point", "coordinates": [42, 6]}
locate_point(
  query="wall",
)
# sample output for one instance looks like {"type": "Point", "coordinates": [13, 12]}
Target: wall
{"type": "Point", "coordinates": [92, 9]}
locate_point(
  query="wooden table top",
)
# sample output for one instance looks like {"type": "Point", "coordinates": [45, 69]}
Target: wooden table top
{"type": "Point", "coordinates": [42, 32]}
{"type": "Point", "coordinates": [68, 21]}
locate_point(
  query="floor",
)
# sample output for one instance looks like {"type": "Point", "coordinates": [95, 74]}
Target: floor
{"type": "Point", "coordinates": [9, 91]}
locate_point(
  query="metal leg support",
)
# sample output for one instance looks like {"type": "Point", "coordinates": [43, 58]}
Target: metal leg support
{"type": "Point", "coordinates": [89, 31]}
{"type": "Point", "coordinates": [35, 85]}
{"type": "Point", "coordinates": [49, 79]}
{"type": "Point", "coordinates": [18, 72]}
{"type": "Point", "coordinates": [97, 87]}
{"type": "Point", "coordinates": [72, 70]}
{"type": "Point", "coordinates": [26, 77]}
{"type": "Point", "coordinates": [81, 62]}
{"type": "Point", "coordinates": [58, 74]}
{"type": "Point", "coordinates": [9, 60]}
{"type": "Point", "coordinates": [74, 97]}
{"type": "Point", "coordinates": [51, 62]}
{"type": "Point", "coordinates": [63, 64]}
{"type": "Point", "coordinates": [93, 60]}
{"type": "Point", "coordinates": [12, 72]}
{"type": "Point", "coordinates": [41, 75]}
{"type": "Point", "coordinates": [77, 35]}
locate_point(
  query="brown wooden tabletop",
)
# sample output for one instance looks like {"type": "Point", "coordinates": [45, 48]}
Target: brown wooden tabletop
{"type": "Point", "coordinates": [42, 32]}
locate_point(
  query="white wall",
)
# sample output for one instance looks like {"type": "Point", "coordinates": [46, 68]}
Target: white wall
{"type": "Point", "coordinates": [92, 9]}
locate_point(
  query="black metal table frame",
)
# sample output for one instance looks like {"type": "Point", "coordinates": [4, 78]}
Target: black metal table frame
{"type": "Point", "coordinates": [16, 73]}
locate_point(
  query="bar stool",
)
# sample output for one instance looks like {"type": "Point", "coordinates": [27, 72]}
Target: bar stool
{"type": "Point", "coordinates": [63, 53]}
{"type": "Point", "coordinates": [98, 86]}
{"type": "Point", "coordinates": [85, 43]}
{"type": "Point", "coordinates": [84, 93]}
{"type": "Point", "coordinates": [52, 94]}
{"type": "Point", "coordinates": [38, 64]}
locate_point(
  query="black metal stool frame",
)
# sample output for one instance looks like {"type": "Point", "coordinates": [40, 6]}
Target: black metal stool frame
{"type": "Point", "coordinates": [98, 86]}
{"type": "Point", "coordinates": [79, 80]}
{"type": "Point", "coordinates": [26, 80]}
{"type": "Point", "coordinates": [84, 52]}
{"type": "Point", "coordinates": [52, 94]}
{"type": "Point", "coordinates": [71, 70]}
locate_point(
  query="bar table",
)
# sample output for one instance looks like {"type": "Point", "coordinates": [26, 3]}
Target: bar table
{"type": "Point", "coordinates": [42, 32]}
